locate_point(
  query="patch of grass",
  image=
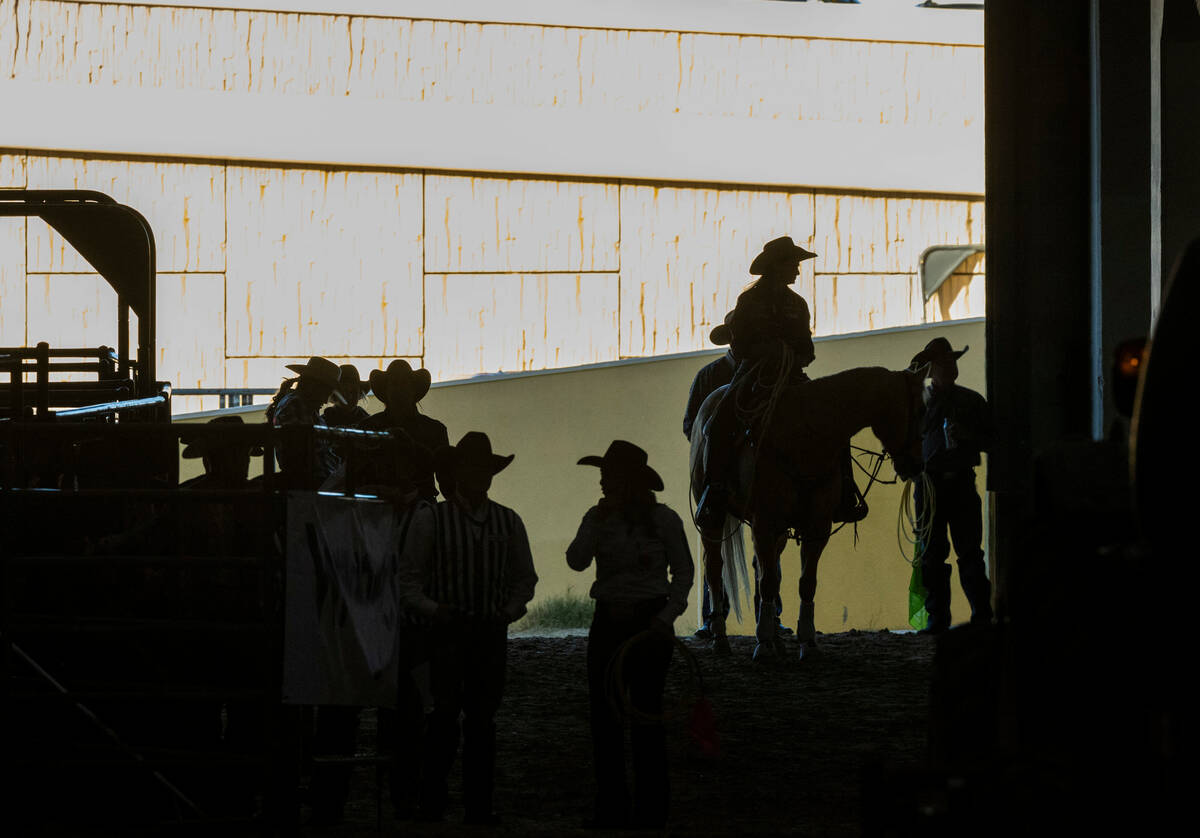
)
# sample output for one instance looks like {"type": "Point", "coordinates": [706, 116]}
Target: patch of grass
{"type": "Point", "coordinates": [561, 611]}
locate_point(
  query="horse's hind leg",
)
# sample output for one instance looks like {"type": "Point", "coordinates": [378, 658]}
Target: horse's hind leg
{"type": "Point", "coordinates": [810, 556]}
{"type": "Point", "coordinates": [713, 566]}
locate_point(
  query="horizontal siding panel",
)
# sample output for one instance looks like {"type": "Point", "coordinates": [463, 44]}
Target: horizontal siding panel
{"type": "Point", "coordinates": [687, 255]}
{"type": "Point", "coordinates": [488, 323]}
{"type": "Point", "coordinates": [73, 311]}
{"type": "Point", "coordinates": [477, 224]}
{"type": "Point", "coordinates": [878, 234]}
{"type": "Point", "coordinates": [847, 303]}
{"type": "Point", "coordinates": [12, 170]}
{"type": "Point", "coordinates": [184, 203]}
{"type": "Point", "coordinates": [290, 54]}
{"type": "Point", "coordinates": [191, 329]}
{"type": "Point", "coordinates": [324, 263]}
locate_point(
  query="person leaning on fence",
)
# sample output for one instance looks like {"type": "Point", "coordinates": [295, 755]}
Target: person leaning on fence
{"type": "Point", "coordinates": [956, 427]}
{"type": "Point", "coordinates": [479, 579]}
{"type": "Point", "coordinates": [298, 403]}
{"type": "Point", "coordinates": [400, 388]}
{"type": "Point", "coordinates": [644, 571]}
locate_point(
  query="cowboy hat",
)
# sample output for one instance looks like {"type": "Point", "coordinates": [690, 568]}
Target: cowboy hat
{"type": "Point", "coordinates": [320, 369]}
{"type": "Point", "coordinates": [778, 251]}
{"type": "Point", "coordinates": [473, 450]}
{"type": "Point", "coordinates": [626, 458]}
{"type": "Point", "coordinates": [938, 349]}
{"type": "Point", "coordinates": [415, 381]}
{"type": "Point", "coordinates": [350, 379]}
{"type": "Point", "coordinates": [722, 334]}
{"type": "Point", "coordinates": [197, 447]}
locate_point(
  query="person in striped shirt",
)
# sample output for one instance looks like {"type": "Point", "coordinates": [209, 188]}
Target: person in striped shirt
{"type": "Point", "coordinates": [644, 572]}
{"type": "Point", "coordinates": [478, 579]}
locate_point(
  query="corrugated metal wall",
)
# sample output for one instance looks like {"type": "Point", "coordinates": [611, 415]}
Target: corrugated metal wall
{"type": "Point", "coordinates": [262, 265]}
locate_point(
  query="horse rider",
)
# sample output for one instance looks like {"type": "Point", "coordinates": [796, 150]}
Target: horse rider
{"type": "Point", "coordinates": [400, 388]}
{"type": "Point", "coordinates": [298, 403]}
{"type": "Point", "coordinates": [956, 427]}
{"type": "Point", "coordinates": [768, 317]}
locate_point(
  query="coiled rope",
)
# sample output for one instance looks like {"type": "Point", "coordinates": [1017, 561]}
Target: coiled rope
{"type": "Point", "coordinates": [617, 693]}
{"type": "Point", "coordinates": [912, 531]}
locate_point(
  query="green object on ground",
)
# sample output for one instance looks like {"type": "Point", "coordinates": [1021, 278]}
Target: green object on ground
{"type": "Point", "coordinates": [918, 617]}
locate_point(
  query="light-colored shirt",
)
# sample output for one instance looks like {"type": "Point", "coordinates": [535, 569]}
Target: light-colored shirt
{"type": "Point", "coordinates": [633, 560]}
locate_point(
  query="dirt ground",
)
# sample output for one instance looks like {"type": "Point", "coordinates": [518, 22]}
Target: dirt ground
{"type": "Point", "coordinates": [794, 740]}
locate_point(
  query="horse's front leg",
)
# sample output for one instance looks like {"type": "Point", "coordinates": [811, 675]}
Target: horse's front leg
{"type": "Point", "coordinates": [713, 575]}
{"type": "Point", "coordinates": [768, 545]}
{"type": "Point", "coordinates": [810, 556]}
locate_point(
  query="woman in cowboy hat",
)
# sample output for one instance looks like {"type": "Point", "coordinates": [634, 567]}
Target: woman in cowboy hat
{"type": "Point", "coordinates": [299, 402]}
{"type": "Point", "coordinates": [644, 572]}
{"type": "Point", "coordinates": [479, 579]}
{"type": "Point", "coordinates": [768, 316]}
{"type": "Point", "coordinates": [400, 387]}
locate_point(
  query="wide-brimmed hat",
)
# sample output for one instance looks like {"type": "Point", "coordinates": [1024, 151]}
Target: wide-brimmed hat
{"type": "Point", "coordinates": [626, 458]}
{"type": "Point", "coordinates": [778, 251]}
{"type": "Point", "coordinates": [937, 349]}
{"type": "Point", "coordinates": [473, 450]}
{"type": "Point", "coordinates": [198, 446]}
{"type": "Point", "coordinates": [415, 381]}
{"type": "Point", "coordinates": [350, 379]}
{"type": "Point", "coordinates": [320, 369]}
{"type": "Point", "coordinates": [722, 333]}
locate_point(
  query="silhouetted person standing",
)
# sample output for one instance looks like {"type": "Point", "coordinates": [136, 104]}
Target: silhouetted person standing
{"type": "Point", "coordinates": [478, 581]}
{"type": "Point", "coordinates": [956, 427]}
{"type": "Point", "coordinates": [400, 388]}
{"type": "Point", "coordinates": [298, 403]}
{"type": "Point", "coordinates": [644, 572]}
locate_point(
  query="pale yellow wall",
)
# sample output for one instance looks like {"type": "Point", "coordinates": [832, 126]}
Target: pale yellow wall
{"type": "Point", "coordinates": [550, 420]}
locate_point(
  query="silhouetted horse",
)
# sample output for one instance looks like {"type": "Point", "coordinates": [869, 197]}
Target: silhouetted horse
{"type": "Point", "coordinates": [792, 480]}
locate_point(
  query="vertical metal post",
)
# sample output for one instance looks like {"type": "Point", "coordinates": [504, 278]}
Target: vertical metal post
{"type": "Point", "coordinates": [43, 381]}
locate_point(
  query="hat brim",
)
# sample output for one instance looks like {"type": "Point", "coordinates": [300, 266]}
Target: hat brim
{"type": "Point", "coordinates": [419, 383]}
{"type": "Point", "coordinates": [447, 458]}
{"type": "Point", "coordinates": [304, 372]}
{"type": "Point", "coordinates": [765, 261]}
{"type": "Point", "coordinates": [721, 335]}
{"type": "Point", "coordinates": [652, 476]}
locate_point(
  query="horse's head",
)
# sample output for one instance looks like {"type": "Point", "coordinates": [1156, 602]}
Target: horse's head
{"type": "Point", "coordinates": [902, 440]}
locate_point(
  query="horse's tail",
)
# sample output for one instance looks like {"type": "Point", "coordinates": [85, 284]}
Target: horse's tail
{"type": "Point", "coordinates": [734, 575]}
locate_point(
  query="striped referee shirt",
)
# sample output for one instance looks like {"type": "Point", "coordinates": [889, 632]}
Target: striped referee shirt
{"type": "Point", "coordinates": [481, 563]}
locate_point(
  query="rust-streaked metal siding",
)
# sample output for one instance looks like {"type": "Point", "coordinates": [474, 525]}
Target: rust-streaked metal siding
{"type": "Point", "coordinates": [292, 54]}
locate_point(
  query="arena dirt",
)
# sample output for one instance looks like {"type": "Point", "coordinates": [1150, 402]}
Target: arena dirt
{"type": "Point", "coordinates": [794, 740]}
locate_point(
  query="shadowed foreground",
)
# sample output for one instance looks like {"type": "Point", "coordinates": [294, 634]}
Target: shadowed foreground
{"type": "Point", "coordinates": [794, 741]}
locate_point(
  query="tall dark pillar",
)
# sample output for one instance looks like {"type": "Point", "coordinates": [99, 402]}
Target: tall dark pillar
{"type": "Point", "coordinates": [1040, 378]}
{"type": "Point", "coordinates": [1180, 128]}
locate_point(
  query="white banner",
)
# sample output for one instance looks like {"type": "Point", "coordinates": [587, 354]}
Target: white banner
{"type": "Point", "coordinates": [342, 607]}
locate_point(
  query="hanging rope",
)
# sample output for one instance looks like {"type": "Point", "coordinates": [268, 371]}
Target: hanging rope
{"type": "Point", "coordinates": [912, 532]}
